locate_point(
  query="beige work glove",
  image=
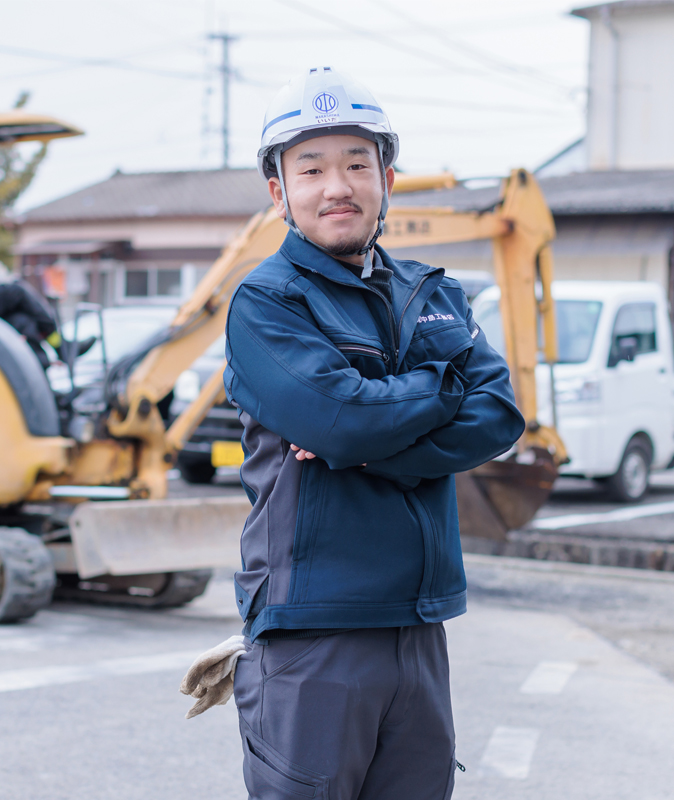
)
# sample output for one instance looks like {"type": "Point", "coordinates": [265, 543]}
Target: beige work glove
{"type": "Point", "coordinates": [210, 680]}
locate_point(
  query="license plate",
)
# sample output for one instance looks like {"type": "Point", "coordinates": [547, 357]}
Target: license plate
{"type": "Point", "coordinates": [226, 454]}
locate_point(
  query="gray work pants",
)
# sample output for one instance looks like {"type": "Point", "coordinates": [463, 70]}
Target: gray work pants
{"type": "Point", "coordinates": [359, 715]}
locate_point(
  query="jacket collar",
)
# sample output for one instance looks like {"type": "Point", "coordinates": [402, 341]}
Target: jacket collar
{"type": "Point", "coordinates": [306, 255]}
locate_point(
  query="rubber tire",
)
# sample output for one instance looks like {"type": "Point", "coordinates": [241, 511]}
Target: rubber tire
{"type": "Point", "coordinates": [196, 470]}
{"type": "Point", "coordinates": [619, 484]}
{"type": "Point", "coordinates": [27, 577]}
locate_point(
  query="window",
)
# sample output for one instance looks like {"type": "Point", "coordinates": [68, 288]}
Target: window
{"type": "Point", "coordinates": [136, 283]}
{"type": "Point", "coordinates": [153, 282]}
{"type": "Point", "coordinates": [168, 282]}
{"type": "Point", "coordinates": [633, 332]}
{"type": "Point", "coordinates": [576, 327]}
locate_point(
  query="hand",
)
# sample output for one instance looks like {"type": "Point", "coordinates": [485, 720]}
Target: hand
{"type": "Point", "coordinates": [300, 454]}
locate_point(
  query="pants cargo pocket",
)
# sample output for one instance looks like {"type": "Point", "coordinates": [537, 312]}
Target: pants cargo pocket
{"type": "Point", "coordinates": [270, 776]}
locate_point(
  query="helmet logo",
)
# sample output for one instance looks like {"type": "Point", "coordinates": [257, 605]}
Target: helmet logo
{"type": "Point", "coordinates": [325, 103]}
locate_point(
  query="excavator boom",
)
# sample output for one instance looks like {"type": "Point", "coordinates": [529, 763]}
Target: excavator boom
{"type": "Point", "coordinates": [502, 495]}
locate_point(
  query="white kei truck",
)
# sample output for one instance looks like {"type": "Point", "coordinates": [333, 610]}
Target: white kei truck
{"type": "Point", "coordinates": [613, 382]}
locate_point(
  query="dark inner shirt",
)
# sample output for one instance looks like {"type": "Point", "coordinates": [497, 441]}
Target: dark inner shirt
{"type": "Point", "coordinates": [380, 278]}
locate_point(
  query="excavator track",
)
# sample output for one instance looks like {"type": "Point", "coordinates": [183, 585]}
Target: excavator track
{"type": "Point", "coordinates": [27, 576]}
{"type": "Point", "coordinates": [161, 590]}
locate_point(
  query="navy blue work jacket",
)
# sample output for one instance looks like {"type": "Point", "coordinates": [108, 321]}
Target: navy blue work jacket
{"type": "Point", "coordinates": [317, 359]}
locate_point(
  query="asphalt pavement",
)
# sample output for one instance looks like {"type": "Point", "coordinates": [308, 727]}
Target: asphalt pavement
{"type": "Point", "coordinates": [562, 680]}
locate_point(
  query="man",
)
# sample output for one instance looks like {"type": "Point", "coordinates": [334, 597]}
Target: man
{"type": "Point", "coordinates": [363, 384]}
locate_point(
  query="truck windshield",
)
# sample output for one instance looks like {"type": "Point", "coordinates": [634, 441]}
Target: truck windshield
{"type": "Point", "coordinates": [576, 326]}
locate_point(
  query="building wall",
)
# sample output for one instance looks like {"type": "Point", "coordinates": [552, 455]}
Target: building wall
{"type": "Point", "coordinates": [142, 233]}
{"type": "Point", "coordinates": [631, 88]}
{"type": "Point", "coordinates": [626, 248]}
{"type": "Point", "coordinates": [631, 267]}
{"type": "Point", "coordinates": [155, 272]}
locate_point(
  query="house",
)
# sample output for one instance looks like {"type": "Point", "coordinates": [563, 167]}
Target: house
{"type": "Point", "coordinates": [149, 237]}
{"type": "Point", "coordinates": [611, 225]}
{"type": "Point", "coordinates": [137, 238]}
{"type": "Point", "coordinates": [611, 192]}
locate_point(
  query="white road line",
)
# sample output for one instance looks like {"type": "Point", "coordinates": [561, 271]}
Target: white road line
{"type": "Point", "coordinates": [620, 515]}
{"type": "Point", "coordinates": [509, 752]}
{"type": "Point", "coordinates": [549, 677]}
{"type": "Point", "coordinates": [16, 680]}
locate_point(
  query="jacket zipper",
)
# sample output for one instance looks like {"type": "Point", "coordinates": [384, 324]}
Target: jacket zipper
{"type": "Point", "coordinates": [396, 333]}
{"type": "Point", "coordinates": [407, 305]}
{"type": "Point", "coordinates": [391, 324]}
{"type": "Point", "coordinates": [430, 539]}
{"type": "Point", "coordinates": [368, 351]}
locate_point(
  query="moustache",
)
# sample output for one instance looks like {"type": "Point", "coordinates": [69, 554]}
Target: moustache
{"type": "Point", "coordinates": [327, 210]}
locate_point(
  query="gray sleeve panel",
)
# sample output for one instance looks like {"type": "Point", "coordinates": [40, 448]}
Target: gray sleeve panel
{"type": "Point", "coordinates": [25, 375]}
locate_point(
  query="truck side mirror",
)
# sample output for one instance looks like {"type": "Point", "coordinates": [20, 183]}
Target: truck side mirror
{"type": "Point", "coordinates": [624, 348]}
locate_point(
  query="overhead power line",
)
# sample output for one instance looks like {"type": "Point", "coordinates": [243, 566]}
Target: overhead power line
{"type": "Point", "coordinates": [402, 47]}
{"type": "Point", "coordinates": [482, 57]}
{"type": "Point", "coordinates": [114, 63]}
{"type": "Point", "coordinates": [435, 102]}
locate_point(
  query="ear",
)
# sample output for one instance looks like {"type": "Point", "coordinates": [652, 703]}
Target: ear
{"type": "Point", "coordinates": [390, 180]}
{"type": "Point", "coordinates": [276, 195]}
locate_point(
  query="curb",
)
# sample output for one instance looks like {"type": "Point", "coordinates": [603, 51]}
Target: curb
{"type": "Point", "coordinates": [650, 555]}
{"type": "Point", "coordinates": [566, 568]}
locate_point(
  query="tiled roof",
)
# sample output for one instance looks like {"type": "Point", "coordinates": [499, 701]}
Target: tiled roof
{"type": "Point", "coordinates": [196, 193]}
{"type": "Point", "coordinates": [241, 193]}
{"type": "Point", "coordinates": [620, 5]}
{"type": "Point", "coordinates": [610, 192]}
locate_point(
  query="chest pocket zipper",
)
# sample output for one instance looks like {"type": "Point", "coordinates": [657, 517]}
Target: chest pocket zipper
{"type": "Point", "coordinates": [364, 351]}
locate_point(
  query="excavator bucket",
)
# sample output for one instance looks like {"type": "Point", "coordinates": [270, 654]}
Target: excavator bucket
{"type": "Point", "coordinates": [503, 495]}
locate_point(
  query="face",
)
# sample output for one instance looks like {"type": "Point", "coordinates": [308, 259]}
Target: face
{"type": "Point", "coordinates": [334, 188]}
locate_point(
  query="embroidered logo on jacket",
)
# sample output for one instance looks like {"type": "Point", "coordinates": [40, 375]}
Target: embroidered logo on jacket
{"type": "Point", "coordinates": [434, 317]}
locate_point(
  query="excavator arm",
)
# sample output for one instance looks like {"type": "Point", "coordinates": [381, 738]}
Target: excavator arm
{"type": "Point", "coordinates": [521, 229]}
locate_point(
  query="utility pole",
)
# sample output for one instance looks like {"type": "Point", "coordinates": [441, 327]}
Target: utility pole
{"type": "Point", "coordinates": [225, 71]}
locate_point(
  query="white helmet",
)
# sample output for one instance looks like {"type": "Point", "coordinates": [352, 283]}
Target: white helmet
{"type": "Point", "coordinates": [324, 102]}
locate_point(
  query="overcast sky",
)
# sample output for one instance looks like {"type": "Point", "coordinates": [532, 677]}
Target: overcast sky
{"type": "Point", "coordinates": [476, 87]}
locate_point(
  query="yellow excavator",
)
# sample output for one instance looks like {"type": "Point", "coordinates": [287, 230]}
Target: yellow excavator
{"type": "Point", "coordinates": [91, 513]}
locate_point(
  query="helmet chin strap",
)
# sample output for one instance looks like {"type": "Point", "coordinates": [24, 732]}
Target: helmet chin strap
{"type": "Point", "coordinates": [367, 249]}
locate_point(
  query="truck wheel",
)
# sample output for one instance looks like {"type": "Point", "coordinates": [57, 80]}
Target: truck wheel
{"type": "Point", "coordinates": [196, 471]}
{"type": "Point", "coordinates": [630, 483]}
{"type": "Point", "coordinates": [27, 576]}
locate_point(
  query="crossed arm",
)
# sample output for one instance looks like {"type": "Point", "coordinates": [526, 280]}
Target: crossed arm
{"type": "Point", "coordinates": [426, 423]}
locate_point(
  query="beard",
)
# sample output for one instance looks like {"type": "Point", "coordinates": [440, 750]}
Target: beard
{"type": "Point", "coordinates": [347, 247]}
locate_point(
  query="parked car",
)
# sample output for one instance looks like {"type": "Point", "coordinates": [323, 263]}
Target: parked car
{"type": "Point", "coordinates": [614, 380]}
